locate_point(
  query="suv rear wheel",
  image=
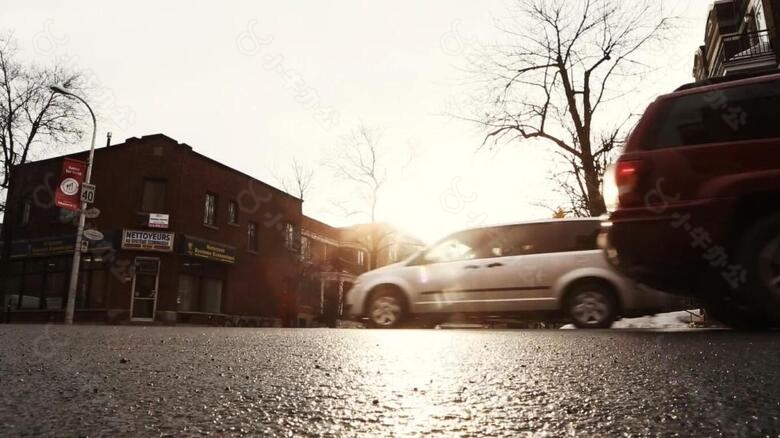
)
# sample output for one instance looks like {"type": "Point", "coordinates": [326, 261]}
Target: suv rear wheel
{"type": "Point", "coordinates": [759, 254]}
{"type": "Point", "coordinates": [386, 308]}
{"type": "Point", "coordinates": [592, 305]}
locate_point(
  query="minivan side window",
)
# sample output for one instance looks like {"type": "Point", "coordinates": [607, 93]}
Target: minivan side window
{"type": "Point", "coordinates": [732, 114]}
{"type": "Point", "coordinates": [461, 246]}
{"type": "Point", "coordinates": [584, 235]}
{"type": "Point", "coordinates": [507, 241]}
{"type": "Point", "coordinates": [554, 237]}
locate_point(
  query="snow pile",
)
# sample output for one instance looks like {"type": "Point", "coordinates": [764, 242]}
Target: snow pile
{"type": "Point", "coordinates": [671, 320]}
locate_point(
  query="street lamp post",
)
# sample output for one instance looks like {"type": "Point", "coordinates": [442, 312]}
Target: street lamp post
{"type": "Point", "coordinates": [74, 273]}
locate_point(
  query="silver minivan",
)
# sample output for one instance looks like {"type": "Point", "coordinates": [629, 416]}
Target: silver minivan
{"type": "Point", "coordinates": [545, 270]}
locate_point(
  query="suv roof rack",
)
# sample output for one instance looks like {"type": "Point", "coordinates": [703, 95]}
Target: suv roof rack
{"type": "Point", "coordinates": [722, 79]}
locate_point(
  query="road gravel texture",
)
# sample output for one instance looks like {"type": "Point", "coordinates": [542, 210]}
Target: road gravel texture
{"type": "Point", "coordinates": [180, 381]}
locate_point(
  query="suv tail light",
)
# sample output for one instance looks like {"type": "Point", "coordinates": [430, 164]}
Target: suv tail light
{"type": "Point", "coordinates": [627, 175]}
{"type": "Point", "coordinates": [620, 182]}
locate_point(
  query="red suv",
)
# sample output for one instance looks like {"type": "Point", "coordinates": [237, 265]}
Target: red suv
{"type": "Point", "coordinates": [695, 198]}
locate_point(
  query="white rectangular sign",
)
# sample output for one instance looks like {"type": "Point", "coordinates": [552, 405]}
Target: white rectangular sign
{"type": "Point", "coordinates": [157, 220]}
{"type": "Point", "coordinates": [147, 240]}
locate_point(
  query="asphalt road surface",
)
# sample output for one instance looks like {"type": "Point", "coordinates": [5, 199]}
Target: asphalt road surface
{"type": "Point", "coordinates": [153, 381]}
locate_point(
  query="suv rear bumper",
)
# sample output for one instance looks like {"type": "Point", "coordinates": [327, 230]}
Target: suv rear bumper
{"type": "Point", "coordinates": [667, 250]}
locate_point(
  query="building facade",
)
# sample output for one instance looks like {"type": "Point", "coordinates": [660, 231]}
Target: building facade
{"type": "Point", "coordinates": [740, 39]}
{"type": "Point", "coordinates": [334, 258]}
{"type": "Point", "coordinates": [184, 239]}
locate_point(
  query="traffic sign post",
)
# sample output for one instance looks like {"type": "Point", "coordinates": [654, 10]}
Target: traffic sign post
{"type": "Point", "coordinates": [88, 193]}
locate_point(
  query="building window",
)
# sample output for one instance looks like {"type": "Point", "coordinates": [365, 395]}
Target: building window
{"type": "Point", "coordinates": [251, 236]}
{"type": "Point", "coordinates": [305, 248]}
{"type": "Point", "coordinates": [154, 196]}
{"type": "Point", "coordinates": [199, 294]}
{"type": "Point", "coordinates": [289, 236]}
{"type": "Point", "coordinates": [210, 209]}
{"type": "Point", "coordinates": [24, 212]}
{"type": "Point", "coordinates": [232, 213]}
{"type": "Point", "coordinates": [361, 258]}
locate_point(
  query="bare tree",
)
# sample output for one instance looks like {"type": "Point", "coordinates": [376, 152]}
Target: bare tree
{"type": "Point", "coordinates": [359, 163]}
{"type": "Point", "coordinates": [299, 182]}
{"type": "Point", "coordinates": [564, 61]}
{"type": "Point", "coordinates": [570, 181]}
{"type": "Point", "coordinates": [31, 115]}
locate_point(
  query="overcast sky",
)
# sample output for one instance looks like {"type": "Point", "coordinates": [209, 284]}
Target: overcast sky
{"type": "Point", "coordinates": [191, 71]}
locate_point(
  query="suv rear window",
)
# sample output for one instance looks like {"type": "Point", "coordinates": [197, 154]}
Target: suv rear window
{"type": "Point", "coordinates": [731, 114]}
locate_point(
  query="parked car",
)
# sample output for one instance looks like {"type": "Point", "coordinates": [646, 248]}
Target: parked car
{"type": "Point", "coordinates": [695, 198]}
{"type": "Point", "coordinates": [539, 270]}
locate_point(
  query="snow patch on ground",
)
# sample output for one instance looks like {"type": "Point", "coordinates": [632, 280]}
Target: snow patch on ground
{"type": "Point", "coordinates": [671, 320]}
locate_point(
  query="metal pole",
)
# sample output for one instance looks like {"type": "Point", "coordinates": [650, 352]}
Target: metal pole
{"type": "Point", "coordinates": [74, 272]}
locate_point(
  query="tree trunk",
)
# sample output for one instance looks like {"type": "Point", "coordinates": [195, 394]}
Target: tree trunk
{"type": "Point", "coordinates": [596, 204]}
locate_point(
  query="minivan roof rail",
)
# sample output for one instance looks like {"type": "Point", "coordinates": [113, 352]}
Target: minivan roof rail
{"type": "Point", "coordinates": [722, 79]}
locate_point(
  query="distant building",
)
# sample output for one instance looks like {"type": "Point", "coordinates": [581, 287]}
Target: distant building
{"type": "Point", "coordinates": [384, 243]}
{"type": "Point", "coordinates": [225, 251]}
{"type": "Point", "coordinates": [740, 38]}
{"type": "Point", "coordinates": [334, 257]}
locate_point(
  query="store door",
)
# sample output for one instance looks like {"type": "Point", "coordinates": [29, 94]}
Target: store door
{"type": "Point", "coordinates": [145, 281]}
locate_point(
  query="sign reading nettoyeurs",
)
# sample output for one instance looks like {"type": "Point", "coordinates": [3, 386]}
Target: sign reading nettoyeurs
{"type": "Point", "coordinates": [69, 189]}
{"type": "Point", "coordinates": [147, 240]}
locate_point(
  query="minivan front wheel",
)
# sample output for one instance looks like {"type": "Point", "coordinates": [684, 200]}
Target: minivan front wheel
{"type": "Point", "coordinates": [591, 305]}
{"type": "Point", "coordinates": [385, 308]}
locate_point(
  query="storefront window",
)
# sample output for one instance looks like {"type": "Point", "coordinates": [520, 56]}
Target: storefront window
{"type": "Point", "coordinates": [199, 294]}
{"type": "Point", "coordinates": [54, 290]}
{"type": "Point", "coordinates": [91, 289]}
{"type": "Point", "coordinates": [13, 286]}
{"type": "Point", "coordinates": [32, 285]}
{"type": "Point", "coordinates": [97, 295]}
{"type": "Point", "coordinates": [188, 292]}
{"type": "Point", "coordinates": [211, 295]}
{"type": "Point", "coordinates": [55, 283]}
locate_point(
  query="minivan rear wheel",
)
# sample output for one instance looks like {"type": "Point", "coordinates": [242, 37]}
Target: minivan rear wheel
{"type": "Point", "coordinates": [386, 308]}
{"type": "Point", "coordinates": [591, 305]}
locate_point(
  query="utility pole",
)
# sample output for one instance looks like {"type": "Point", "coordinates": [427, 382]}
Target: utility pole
{"type": "Point", "coordinates": [70, 305]}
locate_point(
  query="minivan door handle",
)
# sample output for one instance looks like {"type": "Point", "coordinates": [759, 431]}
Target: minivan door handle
{"type": "Point", "coordinates": [471, 267]}
{"type": "Point", "coordinates": [495, 264]}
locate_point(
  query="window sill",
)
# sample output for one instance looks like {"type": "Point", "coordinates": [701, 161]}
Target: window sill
{"type": "Point", "coordinates": [232, 224]}
{"type": "Point", "coordinates": [252, 252]}
{"type": "Point", "coordinates": [213, 227]}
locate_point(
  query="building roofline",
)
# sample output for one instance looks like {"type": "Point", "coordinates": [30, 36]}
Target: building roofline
{"type": "Point", "coordinates": [159, 136]}
{"type": "Point", "coordinates": [213, 161]}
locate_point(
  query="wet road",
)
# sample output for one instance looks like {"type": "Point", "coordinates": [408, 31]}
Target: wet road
{"type": "Point", "coordinates": [153, 381]}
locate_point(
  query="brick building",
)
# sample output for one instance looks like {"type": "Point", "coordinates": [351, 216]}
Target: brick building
{"type": "Point", "coordinates": [740, 38]}
{"type": "Point", "coordinates": [228, 254]}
